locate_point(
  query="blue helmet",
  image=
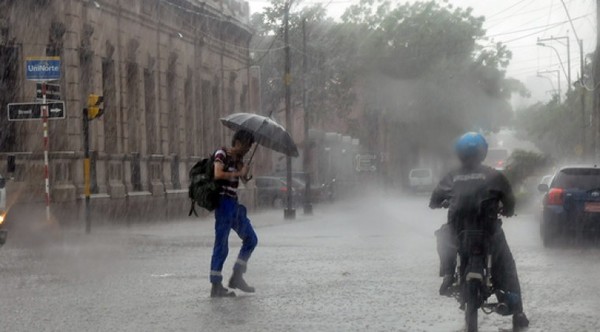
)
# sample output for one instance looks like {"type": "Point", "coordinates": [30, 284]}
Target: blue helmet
{"type": "Point", "coordinates": [471, 147]}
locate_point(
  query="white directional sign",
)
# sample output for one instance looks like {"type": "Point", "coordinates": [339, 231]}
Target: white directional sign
{"type": "Point", "coordinates": [52, 92]}
{"type": "Point", "coordinates": [33, 111]}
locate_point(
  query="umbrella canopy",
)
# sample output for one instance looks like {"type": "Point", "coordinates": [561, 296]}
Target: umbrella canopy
{"type": "Point", "coordinates": [267, 132]}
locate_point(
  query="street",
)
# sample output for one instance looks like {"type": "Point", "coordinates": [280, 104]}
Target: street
{"type": "Point", "coordinates": [364, 265]}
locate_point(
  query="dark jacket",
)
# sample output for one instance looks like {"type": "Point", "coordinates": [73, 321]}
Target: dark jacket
{"type": "Point", "coordinates": [466, 188]}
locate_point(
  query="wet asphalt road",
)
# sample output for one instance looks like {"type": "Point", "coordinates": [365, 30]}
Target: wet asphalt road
{"type": "Point", "coordinates": [352, 266]}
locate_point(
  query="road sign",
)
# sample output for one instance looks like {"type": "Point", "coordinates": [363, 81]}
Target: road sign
{"type": "Point", "coordinates": [52, 92]}
{"type": "Point", "coordinates": [33, 111]}
{"type": "Point", "coordinates": [42, 68]}
{"type": "Point", "coordinates": [365, 162]}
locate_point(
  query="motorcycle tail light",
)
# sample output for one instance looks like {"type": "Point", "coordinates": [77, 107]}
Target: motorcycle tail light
{"type": "Point", "coordinates": [556, 196]}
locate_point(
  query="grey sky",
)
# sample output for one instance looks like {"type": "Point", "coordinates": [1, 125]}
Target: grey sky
{"type": "Point", "coordinates": [519, 23]}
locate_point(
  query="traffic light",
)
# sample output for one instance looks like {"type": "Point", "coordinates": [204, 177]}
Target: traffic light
{"type": "Point", "coordinates": [93, 106]}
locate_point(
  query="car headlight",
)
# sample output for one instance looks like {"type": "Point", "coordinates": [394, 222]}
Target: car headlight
{"type": "Point", "coordinates": [2, 217]}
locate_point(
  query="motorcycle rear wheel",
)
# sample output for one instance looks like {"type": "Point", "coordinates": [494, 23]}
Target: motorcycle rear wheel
{"type": "Point", "coordinates": [472, 303]}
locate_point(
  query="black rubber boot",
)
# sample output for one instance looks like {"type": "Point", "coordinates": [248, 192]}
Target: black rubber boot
{"type": "Point", "coordinates": [446, 287]}
{"type": "Point", "coordinates": [237, 281]}
{"type": "Point", "coordinates": [520, 321]}
{"type": "Point", "coordinates": [218, 290]}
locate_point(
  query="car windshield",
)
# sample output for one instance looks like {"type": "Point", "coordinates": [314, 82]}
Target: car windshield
{"type": "Point", "coordinates": [578, 178]}
{"type": "Point", "coordinates": [420, 173]}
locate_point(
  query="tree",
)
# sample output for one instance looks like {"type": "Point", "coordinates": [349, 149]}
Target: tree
{"type": "Point", "coordinates": [405, 78]}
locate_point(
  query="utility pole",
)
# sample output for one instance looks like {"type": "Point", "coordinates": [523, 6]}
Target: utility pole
{"type": "Point", "coordinates": [596, 92]}
{"type": "Point", "coordinates": [289, 212]}
{"type": "Point", "coordinates": [307, 203]}
{"type": "Point", "coordinates": [583, 120]}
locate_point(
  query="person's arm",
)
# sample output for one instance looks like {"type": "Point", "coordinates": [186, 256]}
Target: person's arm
{"type": "Point", "coordinates": [441, 192]}
{"type": "Point", "coordinates": [219, 168]}
{"type": "Point", "coordinates": [507, 198]}
{"type": "Point", "coordinates": [221, 174]}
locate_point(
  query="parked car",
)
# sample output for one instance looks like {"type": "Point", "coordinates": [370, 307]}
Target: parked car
{"type": "Point", "coordinates": [271, 191]}
{"type": "Point", "coordinates": [3, 232]}
{"type": "Point", "coordinates": [571, 204]}
{"type": "Point", "coordinates": [497, 158]}
{"type": "Point", "coordinates": [421, 179]}
{"type": "Point", "coordinates": [546, 179]}
{"type": "Point", "coordinates": [319, 192]}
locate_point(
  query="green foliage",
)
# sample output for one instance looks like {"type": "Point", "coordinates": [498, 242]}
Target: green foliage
{"type": "Point", "coordinates": [423, 66]}
{"type": "Point", "coordinates": [558, 129]}
{"type": "Point", "coordinates": [523, 164]}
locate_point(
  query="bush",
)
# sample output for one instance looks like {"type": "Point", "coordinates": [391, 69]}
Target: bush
{"type": "Point", "coordinates": [523, 164]}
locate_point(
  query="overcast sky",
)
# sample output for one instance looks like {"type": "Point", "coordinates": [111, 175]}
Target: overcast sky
{"type": "Point", "coordinates": [519, 23]}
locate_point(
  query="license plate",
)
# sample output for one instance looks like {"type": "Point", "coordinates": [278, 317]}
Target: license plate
{"type": "Point", "coordinates": [592, 207]}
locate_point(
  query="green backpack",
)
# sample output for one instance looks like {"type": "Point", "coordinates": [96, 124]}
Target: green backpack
{"type": "Point", "coordinates": [203, 189]}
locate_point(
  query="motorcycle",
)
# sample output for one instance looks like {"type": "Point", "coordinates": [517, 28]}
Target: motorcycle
{"type": "Point", "coordinates": [329, 191]}
{"type": "Point", "coordinates": [474, 286]}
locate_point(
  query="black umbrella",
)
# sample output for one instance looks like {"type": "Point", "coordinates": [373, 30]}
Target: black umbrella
{"type": "Point", "coordinates": [267, 132]}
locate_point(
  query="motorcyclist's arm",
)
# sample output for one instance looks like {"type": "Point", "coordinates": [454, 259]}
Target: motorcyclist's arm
{"type": "Point", "coordinates": [507, 198]}
{"type": "Point", "coordinates": [441, 192]}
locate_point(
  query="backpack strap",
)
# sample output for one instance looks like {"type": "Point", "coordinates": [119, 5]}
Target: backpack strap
{"type": "Point", "coordinates": [193, 209]}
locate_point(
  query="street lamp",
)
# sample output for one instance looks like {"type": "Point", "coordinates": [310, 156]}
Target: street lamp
{"type": "Point", "coordinates": [567, 75]}
{"type": "Point", "coordinates": [581, 68]}
{"type": "Point", "coordinates": [540, 43]}
{"type": "Point", "coordinates": [557, 72]}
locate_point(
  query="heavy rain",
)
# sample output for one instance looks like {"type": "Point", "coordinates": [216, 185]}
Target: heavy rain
{"type": "Point", "coordinates": [299, 165]}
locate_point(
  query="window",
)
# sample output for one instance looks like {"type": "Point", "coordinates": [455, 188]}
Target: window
{"type": "Point", "coordinates": [577, 178]}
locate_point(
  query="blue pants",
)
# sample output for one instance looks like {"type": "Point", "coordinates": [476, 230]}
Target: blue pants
{"type": "Point", "coordinates": [231, 215]}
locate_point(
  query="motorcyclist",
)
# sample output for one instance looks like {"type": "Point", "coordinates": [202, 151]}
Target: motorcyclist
{"type": "Point", "coordinates": [461, 190]}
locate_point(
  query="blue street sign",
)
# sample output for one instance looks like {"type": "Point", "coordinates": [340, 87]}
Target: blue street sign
{"type": "Point", "coordinates": [42, 68]}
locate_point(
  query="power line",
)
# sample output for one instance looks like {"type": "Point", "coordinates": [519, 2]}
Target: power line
{"type": "Point", "coordinates": [508, 8]}
{"type": "Point", "coordinates": [501, 20]}
{"type": "Point", "coordinates": [534, 33]}
{"type": "Point", "coordinates": [536, 27]}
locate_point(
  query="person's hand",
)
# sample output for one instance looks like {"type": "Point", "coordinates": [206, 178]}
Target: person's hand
{"type": "Point", "coordinates": [243, 173]}
{"type": "Point", "coordinates": [508, 214]}
{"type": "Point", "coordinates": [444, 204]}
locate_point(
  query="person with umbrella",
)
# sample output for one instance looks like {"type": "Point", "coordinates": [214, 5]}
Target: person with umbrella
{"type": "Point", "coordinates": [229, 169]}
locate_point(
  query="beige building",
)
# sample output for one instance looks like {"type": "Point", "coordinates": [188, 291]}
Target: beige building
{"type": "Point", "coordinates": [168, 70]}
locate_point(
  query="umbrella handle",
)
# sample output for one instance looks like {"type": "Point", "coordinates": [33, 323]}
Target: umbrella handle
{"type": "Point", "coordinates": [250, 161]}
{"type": "Point", "coordinates": [252, 155]}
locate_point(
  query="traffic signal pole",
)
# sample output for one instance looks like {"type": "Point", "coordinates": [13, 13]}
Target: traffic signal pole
{"type": "Point", "coordinates": [91, 112]}
{"type": "Point", "coordinates": [86, 170]}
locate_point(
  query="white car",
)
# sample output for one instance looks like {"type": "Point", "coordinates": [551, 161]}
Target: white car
{"type": "Point", "coordinates": [421, 179]}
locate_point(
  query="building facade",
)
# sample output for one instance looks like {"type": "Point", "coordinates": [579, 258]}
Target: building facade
{"type": "Point", "coordinates": [167, 69]}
